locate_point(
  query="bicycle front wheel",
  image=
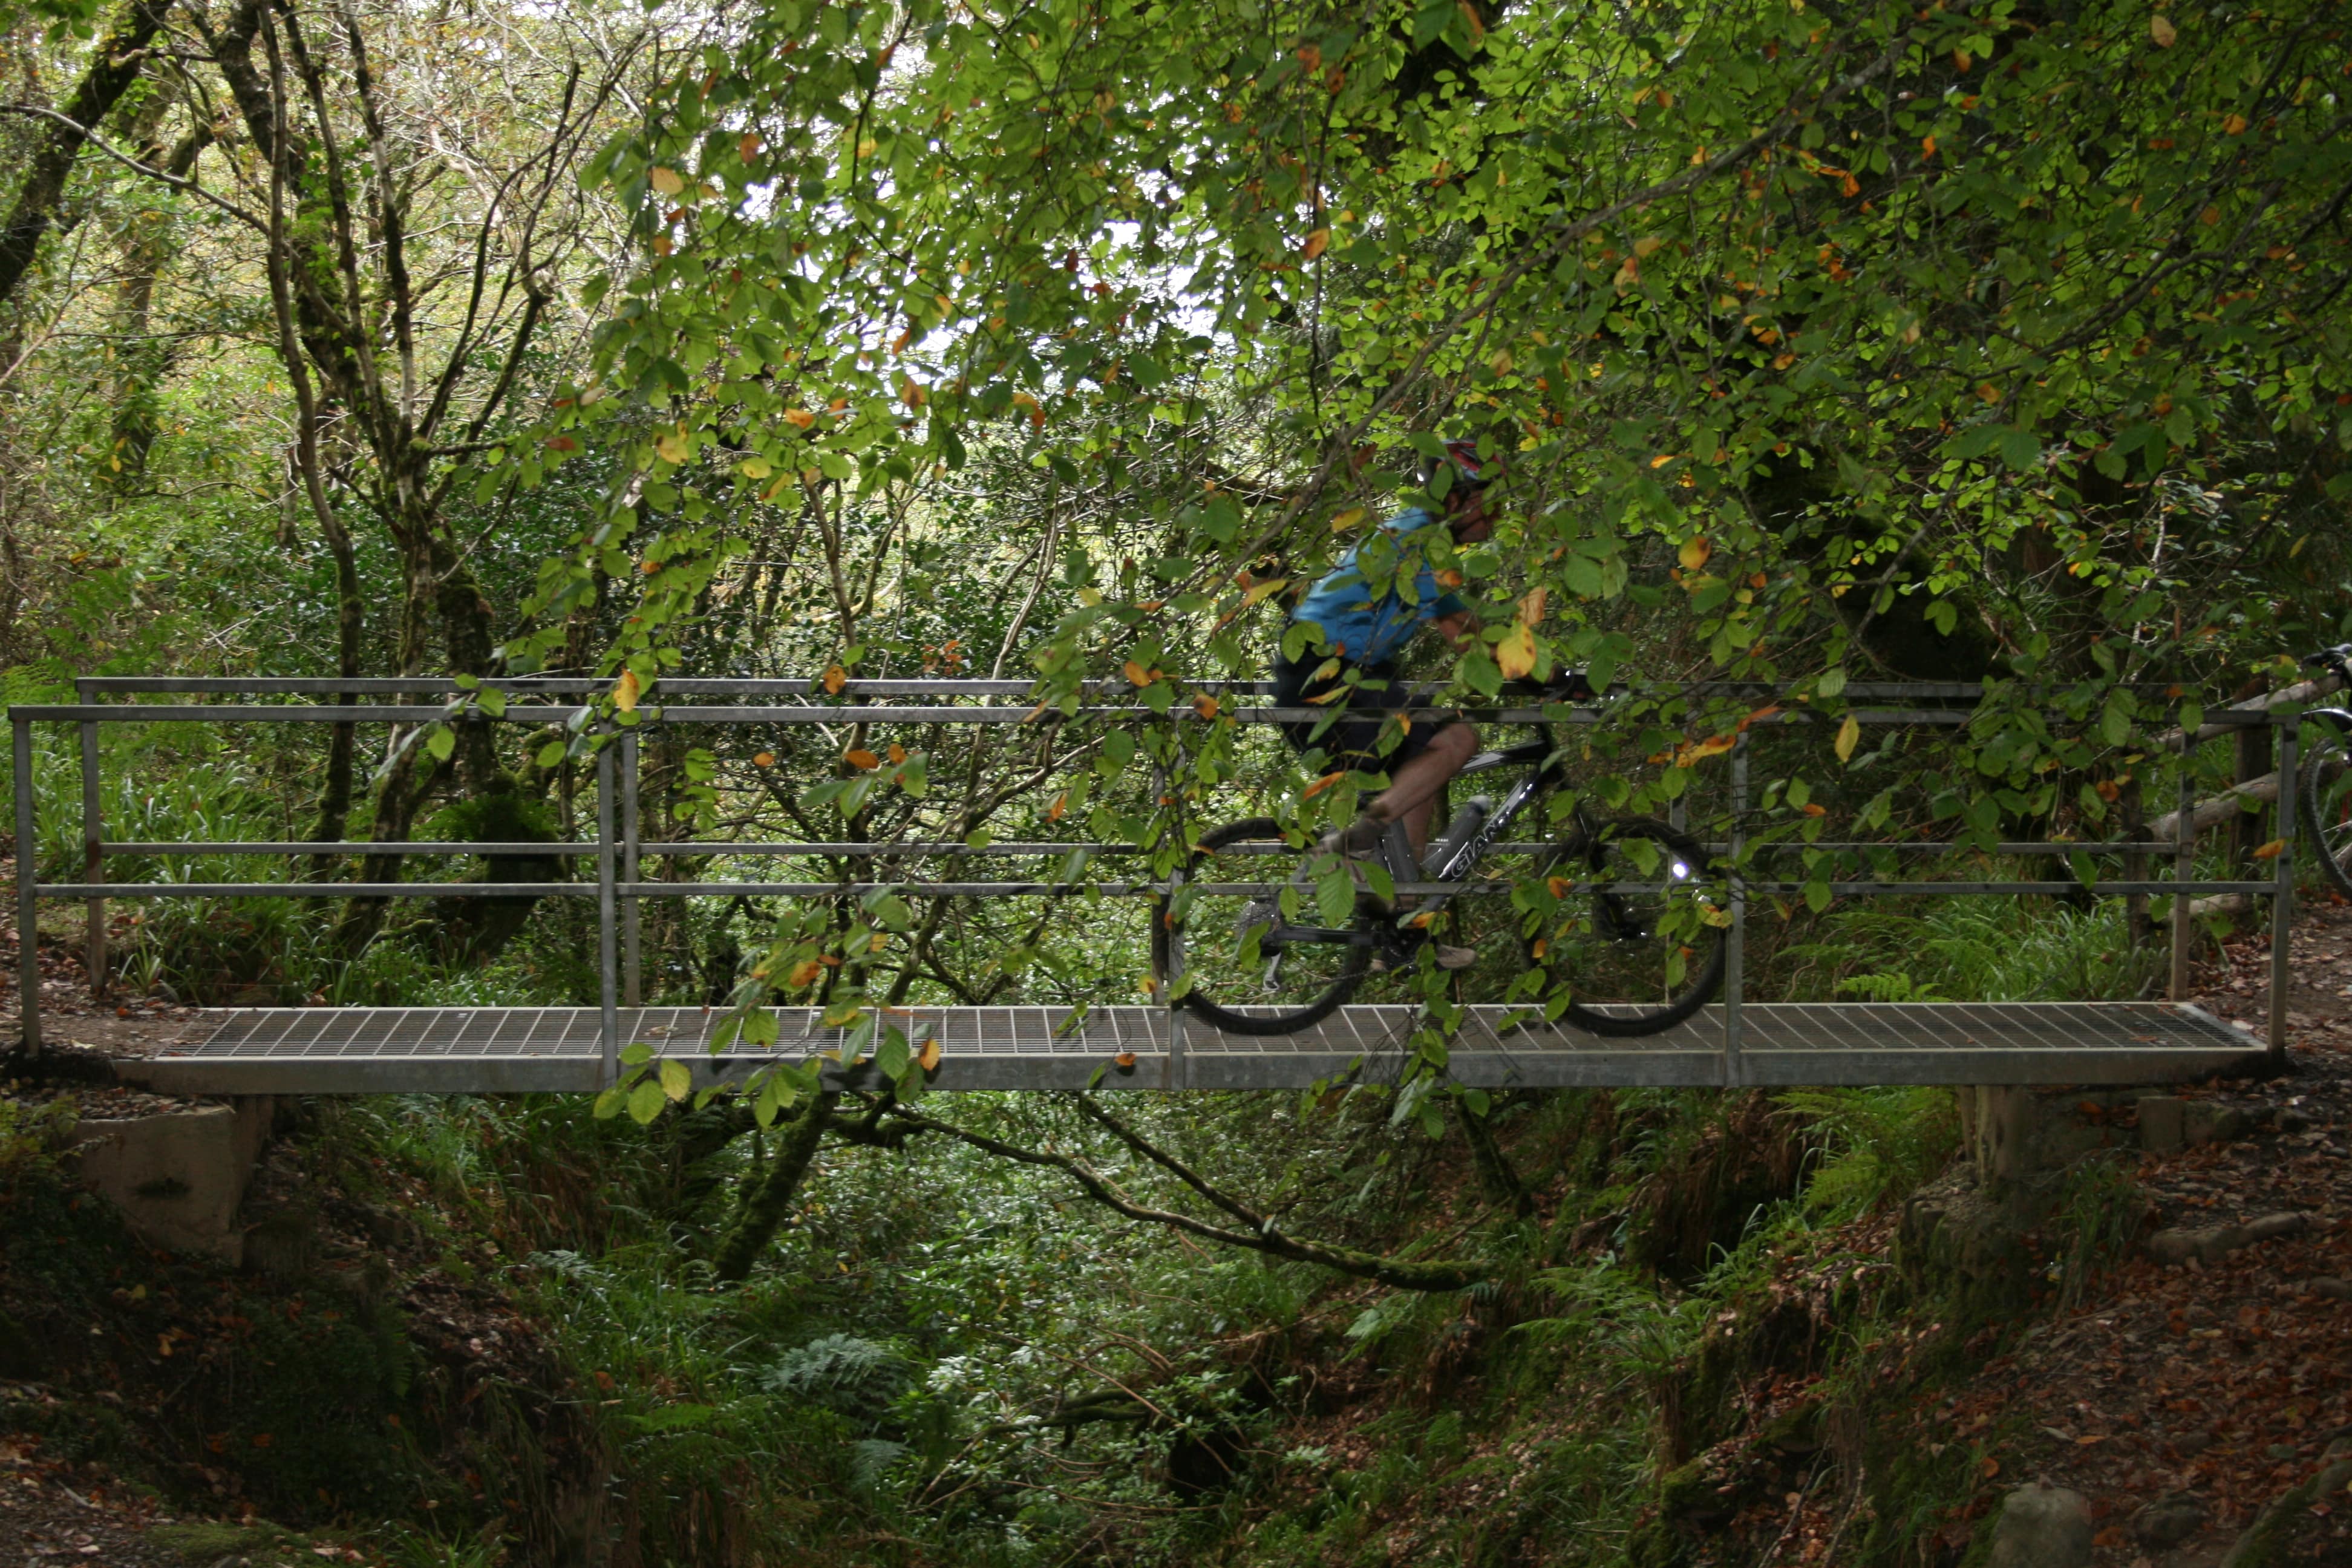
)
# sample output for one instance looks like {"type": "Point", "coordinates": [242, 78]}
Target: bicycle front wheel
{"type": "Point", "coordinates": [2326, 801]}
{"type": "Point", "coordinates": [1634, 933]}
{"type": "Point", "coordinates": [1272, 959]}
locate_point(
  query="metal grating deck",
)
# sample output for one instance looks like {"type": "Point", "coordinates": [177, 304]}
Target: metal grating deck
{"type": "Point", "coordinates": [486, 1050]}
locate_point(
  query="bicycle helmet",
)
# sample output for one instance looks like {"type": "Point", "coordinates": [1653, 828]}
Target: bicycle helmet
{"type": "Point", "coordinates": [1468, 469]}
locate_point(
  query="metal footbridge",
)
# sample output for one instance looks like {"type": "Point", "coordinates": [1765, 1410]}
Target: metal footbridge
{"type": "Point", "coordinates": [413, 1050]}
{"type": "Point", "coordinates": [1737, 1041]}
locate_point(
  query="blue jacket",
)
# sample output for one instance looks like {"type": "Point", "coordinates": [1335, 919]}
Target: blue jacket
{"type": "Point", "coordinates": [1365, 630]}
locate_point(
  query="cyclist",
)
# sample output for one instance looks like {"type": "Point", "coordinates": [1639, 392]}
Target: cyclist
{"type": "Point", "coordinates": [1361, 638]}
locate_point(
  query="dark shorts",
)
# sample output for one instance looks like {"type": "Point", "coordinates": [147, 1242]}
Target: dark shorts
{"type": "Point", "coordinates": [1352, 740]}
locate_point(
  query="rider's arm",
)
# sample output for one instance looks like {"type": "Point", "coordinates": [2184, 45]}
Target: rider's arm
{"type": "Point", "coordinates": [1459, 629]}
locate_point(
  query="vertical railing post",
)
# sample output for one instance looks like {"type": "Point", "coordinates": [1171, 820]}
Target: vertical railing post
{"type": "Point", "coordinates": [609, 1025]}
{"type": "Point", "coordinates": [93, 857]}
{"type": "Point", "coordinates": [631, 986]}
{"type": "Point", "coordinates": [2282, 887]}
{"type": "Point", "coordinates": [28, 933]}
{"type": "Point", "coordinates": [1734, 965]}
{"type": "Point", "coordinates": [2184, 871]}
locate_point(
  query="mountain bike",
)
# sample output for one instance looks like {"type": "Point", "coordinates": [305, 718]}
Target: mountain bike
{"type": "Point", "coordinates": [1617, 925]}
{"type": "Point", "coordinates": [2325, 789]}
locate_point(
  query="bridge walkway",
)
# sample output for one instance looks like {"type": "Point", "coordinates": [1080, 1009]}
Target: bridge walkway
{"type": "Point", "coordinates": [482, 1050]}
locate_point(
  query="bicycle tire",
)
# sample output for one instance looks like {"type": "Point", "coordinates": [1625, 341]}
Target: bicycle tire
{"type": "Point", "coordinates": [2324, 798]}
{"type": "Point", "coordinates": [1352, 960]}
{"type": "Point", "coordinates": [1702, 976]}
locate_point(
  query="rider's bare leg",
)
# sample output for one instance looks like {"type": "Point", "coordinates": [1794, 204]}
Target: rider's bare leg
{"type": "Point", "coordinates": [1411, 795]}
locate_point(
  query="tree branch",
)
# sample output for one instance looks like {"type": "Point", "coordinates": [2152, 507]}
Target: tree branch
{"type": "Point", "coordinates": [1398, 1273]}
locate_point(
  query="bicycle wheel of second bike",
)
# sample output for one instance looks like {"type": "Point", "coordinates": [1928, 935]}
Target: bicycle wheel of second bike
{"type": "Point", "coordinates": [1634, 963]}
{"type": "Point", "coordinates": [1249, 975]}
{"type": "Point", "coordinates": [2326, 801]}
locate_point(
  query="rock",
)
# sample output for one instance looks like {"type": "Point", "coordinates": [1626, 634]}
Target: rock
{"type": "Point", "coordinates": [2289, 1528]}
{"type": "Point", "coordinates": [2205, 1123]}
{"type": "Point", "coordinates": [2334, 1290]}
{"type": "Point", "coordinates": [2042, 1526]}
{"type": "Point", "coordinates": [2162, 1125]}
{"type": "Point", "coordinates": [2213, 1245]}
{"type": "Point", "coordinates": [2293, 1121]}
{"type": "Point", "coordinates": [2167, 1522]}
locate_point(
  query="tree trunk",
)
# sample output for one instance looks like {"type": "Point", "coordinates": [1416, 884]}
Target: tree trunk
{"type": "Point", "coordinates": [116, 64]}
{"type": "Point", "coordinates": [768, 1191]}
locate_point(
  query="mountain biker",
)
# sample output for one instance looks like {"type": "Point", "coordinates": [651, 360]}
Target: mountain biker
{"type": "Point", "coordinates": [1353, 647]}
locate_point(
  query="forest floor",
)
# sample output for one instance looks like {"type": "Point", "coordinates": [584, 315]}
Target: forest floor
{"type": "Point", "coordinates": [2183, 1396]}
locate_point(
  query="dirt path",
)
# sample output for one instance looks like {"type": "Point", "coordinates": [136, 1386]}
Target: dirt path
{"type": "Point", "coordinates": [2185, 1395]}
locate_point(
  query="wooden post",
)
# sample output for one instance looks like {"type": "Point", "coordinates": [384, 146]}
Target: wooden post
{"type": "Point", "coordinates": [28, 930]}
{"type": "Point", "coordinates": [2283, 895]}
{"type": "Point", "coordinates": [2184, 872]}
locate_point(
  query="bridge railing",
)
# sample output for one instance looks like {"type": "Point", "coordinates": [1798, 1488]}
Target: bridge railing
{"type": "Point", "coordinates": [619, 850]}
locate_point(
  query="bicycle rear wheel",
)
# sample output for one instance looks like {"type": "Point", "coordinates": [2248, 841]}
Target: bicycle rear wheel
{"type": "Point", "coordinates": [1269, 962]}
{"type": "Point", "coordinates": [2327, 802]}
{"type": "Point", "coordinates": [1633, 961]}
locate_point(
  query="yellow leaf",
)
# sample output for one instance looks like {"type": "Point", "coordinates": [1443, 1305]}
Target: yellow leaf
{"type": "Point", "coordinates": [1557, 887]}
{"type": "Point", "coordinates": [1646, 244]}
{"type": "Point", "coordinates": [674, 447]}
{"type": "Point", "coordinates": [677, 1079]}
{"type": "Point", "coordinates": [1348, 520]}
{"type": "Point", "coordinates": [1695, 553]}
{"type": "Point", "coordinates": [1712, 746]}
{"type": "Point", "coordinates": [930, 1056]}
{"type": "Point", "coordinates": [1125, 1059]}
{"type": "Point", "coordinates": [2161, 29]}
{"type": "Point", "coordinates": [2270, 851]}
{"type": "Point", "coordinates": [1516, 654]}
{"type": "Point", "coordinates": [666, 181]}
{"type": "Point", "coordinates": [1661, 459]}
{"type": "Point", "coordinates": [1061, 803]}
{"type": "Point", "coordinates": [749, 147]}
{"type": "Point", "coordinates": [898, 753]}
{"type": "Point", "coordinates": [624, 691]}
{"type": "Point", "coordinates": [757, 468]}
{"type": "Point", "coordinates": [799, 419]}
{"type": "Point", "coordinates": [763, 759]}
{"type": "Point", "coordinates": [1531, 608]}
{"type": "Point", "coordinates": [1205, 706]}
{"type": "Point", "coordinates": [2236, 125]}
{"type": "Point", "coordinates": [1259, 592]}
{"type": "Point", "coordinates": [859, 757]}
{"type": "Point", "coordinates": [1317, 244]}
{"type": "Point", "coordinates": [835, 679]}
{"type": "Point", "coordinates": [1500, 361]}
{"type": "Point", "coordinates": [1849, 736]}
{"type": "Point", "coordinates": [1477, 24]}
{"type": "Point", "coordinates": [1136, 674]}
{"type": "Point", "coordinates": [804, 975]}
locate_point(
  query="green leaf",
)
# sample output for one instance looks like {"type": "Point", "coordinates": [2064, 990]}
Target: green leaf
{"type": "Point", "coordinates": [551, 755]}
{"type": "Point", "coordinates": [636, 1053]}
{"type": "Point", "coordinates": [646, 1102]}
{"type": "Point", "coordinates": [677, 1077]}
{"type": "Point", "coordinates": [609, 1103]}
{"type": "Point", "coordinates": [441, 742]}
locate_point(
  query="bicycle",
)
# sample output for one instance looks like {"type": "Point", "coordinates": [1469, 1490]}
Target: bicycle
{"type": "Point", "coordinates": [2325, 792]}
{"type": "Point", "coordinates": [1622, 922]}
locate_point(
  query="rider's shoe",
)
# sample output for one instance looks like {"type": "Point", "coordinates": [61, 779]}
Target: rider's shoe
{"type": "Point", "coordinates": [1448, 958]}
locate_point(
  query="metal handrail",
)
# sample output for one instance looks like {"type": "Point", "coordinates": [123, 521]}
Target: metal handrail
{"type": "Point", "coordinates": [619, 887]}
